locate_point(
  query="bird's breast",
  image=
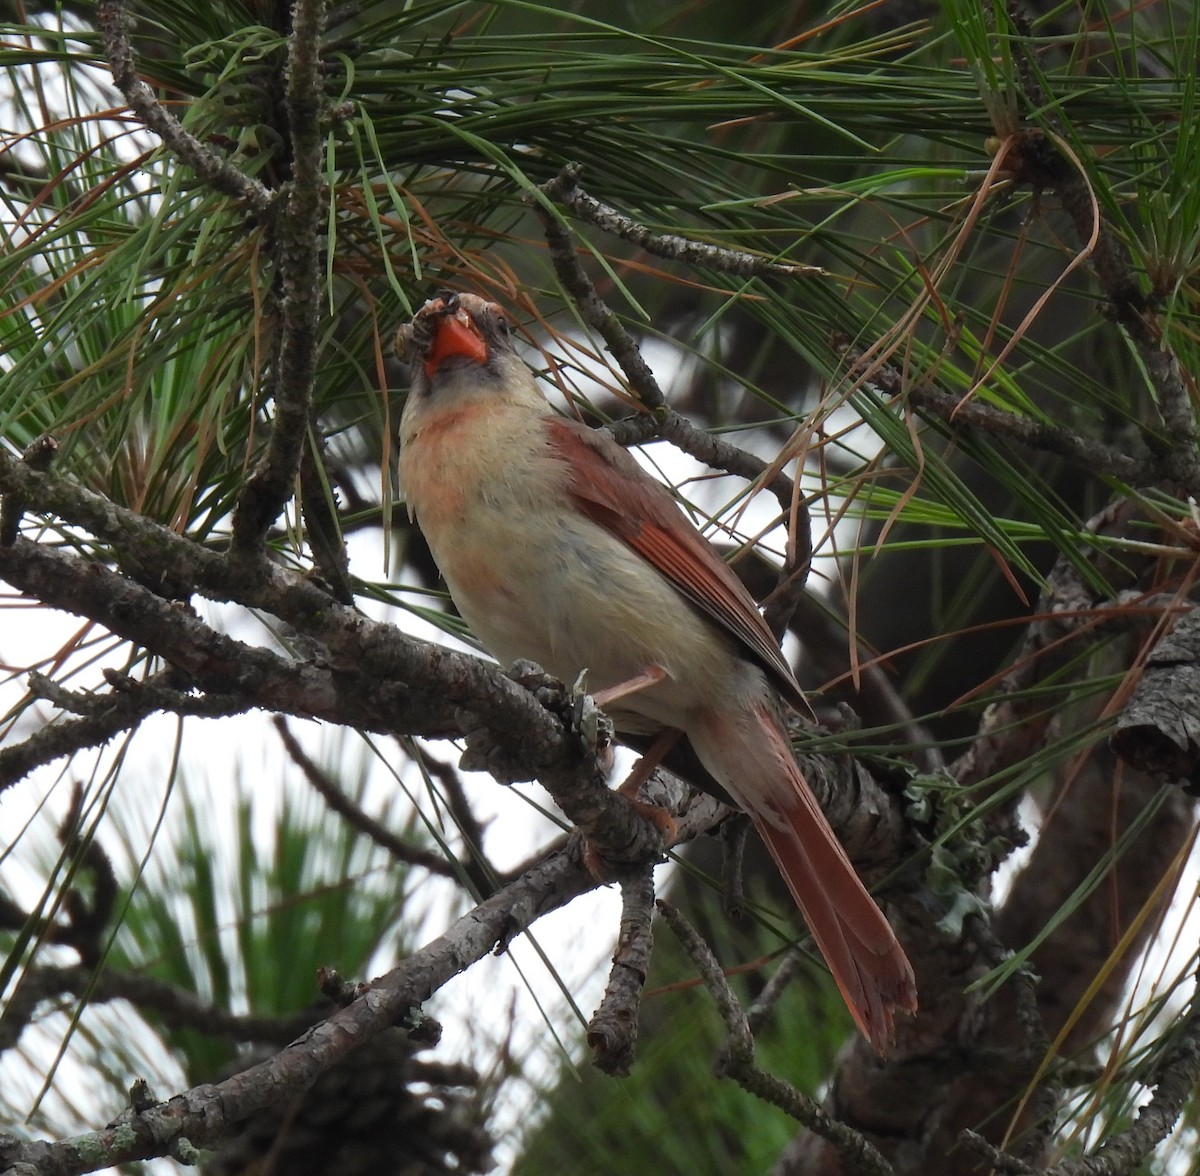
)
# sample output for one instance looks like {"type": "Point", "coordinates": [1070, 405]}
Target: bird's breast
{"type": "Point", "coordinates": [535, 578]}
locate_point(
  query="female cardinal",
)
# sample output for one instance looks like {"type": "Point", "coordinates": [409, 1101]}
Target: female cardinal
{"type": "Point", "coordinates": [558, 547]}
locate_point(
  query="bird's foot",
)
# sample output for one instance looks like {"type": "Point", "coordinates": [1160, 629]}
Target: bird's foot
{"type": "Point", "coordinates": [656, 814]}
{"type": "Point", "coordinates": [639, 776]}
{"type": "Point", "coordinates": [592, 731]}
{"type": "Point", "coordinates": [574, 706]}
{"type": "Point", "coordinates": [659, 817]}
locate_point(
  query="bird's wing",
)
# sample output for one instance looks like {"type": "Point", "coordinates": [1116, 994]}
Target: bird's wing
{"type": "Point", "coordinates": [611, 489]}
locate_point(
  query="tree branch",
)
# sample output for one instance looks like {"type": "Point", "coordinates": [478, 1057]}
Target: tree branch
{"type": "Point", "coordinates": [177, 1007]}
{"type": "Point", "coordinates": [576, 282]}
{"type": "Point", "coordinates": [365, 647]}
{"type": "Point", "coordinates": [1016, 722]}
{"type": "Point", "coordinates": [566, 190]}
{"type": "Point", "coordinates": [106, 716]}
{"type": "Point", "coordinates": [221, 175]}
{"type": "Point", "coordinates": [738, 1063]}
{"type": "Point", "coordinates": [612, 1032]}
{"type": "Point", "coordinates": [269, 487]}
{"type": "Point", "coordinates": [402, 850]}
{"type": "Point", "coordinates": [205, 1113]}
{"type": "Point", "coordinates": [474, 862]}
{"type": "Point", "coordinates": [972, 414]}
{"type": "Point", "coordinates": [459, 691]}
{"type": "Point", "coordinates": [1175, 1083]}
{"type": "Point", "coordinates": [1159, 726]}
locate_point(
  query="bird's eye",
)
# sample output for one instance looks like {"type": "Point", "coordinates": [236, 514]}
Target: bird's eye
{"type": "Point", "coordinates": [502, 326]}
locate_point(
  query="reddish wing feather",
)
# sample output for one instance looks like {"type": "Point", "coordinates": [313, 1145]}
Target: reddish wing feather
{"type": "Point", "coordinates": [616, 493]}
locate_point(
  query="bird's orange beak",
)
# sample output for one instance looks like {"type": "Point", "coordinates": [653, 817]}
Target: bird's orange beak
{"type": "Point", "coordinates": [455, 334]}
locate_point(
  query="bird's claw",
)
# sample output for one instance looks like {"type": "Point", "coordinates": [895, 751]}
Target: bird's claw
{"type": "Point", "coordinates": [590, 727]}
{"type": "Point", "coordinates": [664, 823]}
{"type": "Point", "coordinates": [593, 729]}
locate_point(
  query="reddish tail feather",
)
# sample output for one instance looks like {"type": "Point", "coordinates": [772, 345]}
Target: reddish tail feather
{"type": "Point", "coordinates": [858, 943]}
{"type": "Point", "coordinates": [751, 755]}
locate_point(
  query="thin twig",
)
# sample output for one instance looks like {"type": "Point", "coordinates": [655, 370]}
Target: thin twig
{"type": "Point", "coordinates": [221, 175]}
{"type": "Point", "coordinates": [999, 1160]}
{"type": "Point", "coordinates": [857, 1152]}
{"type": "Point", "coordinates": [78, 922]}
{"type": "Point", "coordinates": [1086, 452]}
{"type": "Point", "coordinates": [714, 452]}
{"type": "Point", "coordinates": [566, 190]}
{"type": "Point", "coordinates": [734, 833]}
{"type": "Point", "coordinates": [319, 508]}
{"type": "Point", "coordinates": [1017, 720]}
{"type": "Point", "coordinates": [104, 716]}
{"type": "Point", "coordinates": [402, 850]}
{"type": "Point", "coordinates": [719, 454]}
{"type": "Point", "coordinates": [474, 863]}
{"type": "Point", "coordinates": [88, 910]}
{"type": "Point", "coordinates": [780, 607]}
{"type": "Point", "coordinates": [792, 964]}
{"type": "Point", "coordinates": [612, 1032]}
{"type": "Point", "coordinates": [624, 350]}
{"type": "Point", "coordinates": [176, 1007]}
{"type": "Point", "coordinates": [268, 488]}
{"type": "Point", "coordinates": [1174, 1082]}
{"type": "Point", "coordinates": [1045, 166]}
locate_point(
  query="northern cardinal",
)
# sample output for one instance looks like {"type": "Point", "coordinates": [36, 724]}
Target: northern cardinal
{"type": "Point", "coordinates": [558, 547]}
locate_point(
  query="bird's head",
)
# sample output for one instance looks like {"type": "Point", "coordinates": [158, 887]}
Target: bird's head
{"type": "Point", "coordinates": [461, 350]}
{"type": "Point", "coordinates": [453, 331]}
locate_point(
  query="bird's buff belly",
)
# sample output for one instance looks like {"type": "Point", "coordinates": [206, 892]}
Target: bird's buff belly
{"type": "Point", "coordinates": [569, 597]}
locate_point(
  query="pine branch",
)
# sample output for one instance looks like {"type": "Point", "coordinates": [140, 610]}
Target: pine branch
{"type": "Point", "coordinates": [270, 486]}
{"type": "Point", "coordinates": [221, 175]}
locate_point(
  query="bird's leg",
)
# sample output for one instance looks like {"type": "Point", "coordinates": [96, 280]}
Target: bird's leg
{"type": "Point", "coordinates": [641, 772]}
{"type": "Point", "coordinates": [651, 757]}
{"type": "Point", "coordinates": [658, 816]}
{"type": "Point", "coordinates": [648, 761]}
{"type": "Point", "coordinates": [647, 678]}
